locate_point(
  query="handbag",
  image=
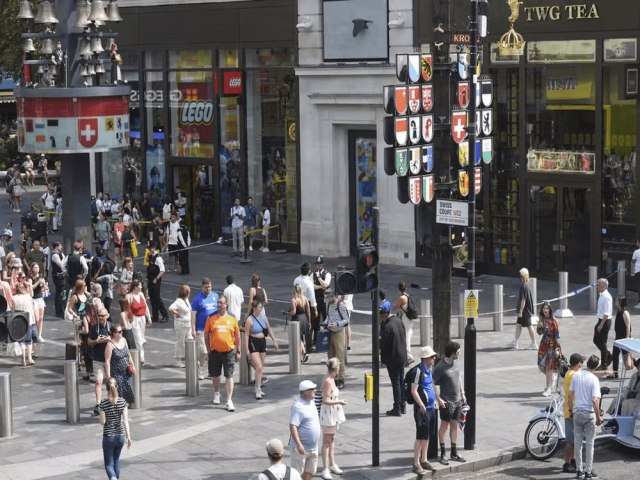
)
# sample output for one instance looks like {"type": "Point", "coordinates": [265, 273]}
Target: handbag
{"type": "Point", "coordinates": [131, 369]}
{"type": "Point", "coordinates": [322, 341]}
{"type": "Point", "coordinates": [134, 248]}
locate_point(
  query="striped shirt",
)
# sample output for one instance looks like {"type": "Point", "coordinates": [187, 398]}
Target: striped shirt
{"type": "Point", "coordinates": [113, 413]}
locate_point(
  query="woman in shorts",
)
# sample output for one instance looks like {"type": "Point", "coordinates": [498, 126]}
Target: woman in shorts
{"type": "Point", "coordinates": [38, 284]}
{"type": "Point", "coordinates": [257, 329]}
{"type": "Point", "coordinates": [331, 416]}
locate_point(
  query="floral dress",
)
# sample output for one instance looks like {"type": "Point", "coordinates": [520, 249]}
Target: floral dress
{"type": "Point", "coordinates": [332, 415]}
{"type": "Point", "coordinates": [550, 343]}
{"type": "Point", "coordinates": [119, 362]}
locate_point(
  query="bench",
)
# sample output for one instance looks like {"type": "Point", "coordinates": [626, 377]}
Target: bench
{"type": "Point", "coordinates": [39, 180]}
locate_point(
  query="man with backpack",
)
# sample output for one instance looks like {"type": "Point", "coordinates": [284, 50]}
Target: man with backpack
{"type": "Point", "coordinates": [393, 353]}
{"type": "Point", "coordinates": [278, 470]}
{"type": "Point", "coordinates": [155, 271]}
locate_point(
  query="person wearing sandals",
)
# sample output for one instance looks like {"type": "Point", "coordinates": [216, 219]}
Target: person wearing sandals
{"type": "Point", "coordinates": [257, 329]}
{"type": "Point", "coordinates": [331, 416]}
{"type": "Point", "coordinates": [22, 302]}
{"type": "Point", "coordinates": [550, 350]}
{"type": "Point", "coordinates": [181, 311]}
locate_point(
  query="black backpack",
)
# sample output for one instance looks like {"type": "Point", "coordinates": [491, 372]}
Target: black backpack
{"type": "Point", "coordinates": [271, 476]}
{"type": "Point", "coordinates": [410, 311]}
{"type": "Point", "coordinates": [408, 381]}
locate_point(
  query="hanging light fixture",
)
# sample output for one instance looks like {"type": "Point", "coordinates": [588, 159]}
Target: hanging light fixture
{"type": "Point", "coordinates": [45, 13]}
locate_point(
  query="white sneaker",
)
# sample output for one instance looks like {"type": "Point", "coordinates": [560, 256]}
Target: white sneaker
{"type": "Point", "coordinates": [532, 346]}
{"type": "Point", "coordinates": [335, 469]}
{"type": "Point", "coordinates": [258, 394]}
{"type": "Point", "coordinates": [513, 344]}
{"type": "Point", "coordinates": [230, 407]}
{"type": "Point", "coordinates": [216, 398]}
{"type": "Point", "coordinates": [179, 365]}
{"type": "Point", "coordinates": [266, 250]}
{"type": "Point", "coordinates": [546, 392]}
{"type": "Point", "coordinates": [40, 339]}
{"type": "Point", "coordinates": [250, 248]}
{"type": "Point", "coordinates": [326, 475]}
{"type": "Point", "coordinates": [200, 376]}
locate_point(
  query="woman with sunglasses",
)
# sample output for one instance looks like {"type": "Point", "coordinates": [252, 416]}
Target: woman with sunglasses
{"type": "Point", "coordinates": [141, 316]}
{"type": "Point", "coordinates": [116, 360]}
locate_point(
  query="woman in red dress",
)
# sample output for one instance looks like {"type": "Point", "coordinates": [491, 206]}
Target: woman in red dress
{"type": "Point", "coordinates": [549, 351]}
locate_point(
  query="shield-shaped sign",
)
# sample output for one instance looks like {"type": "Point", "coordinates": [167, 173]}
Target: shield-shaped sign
{"type": "Point", "coordinates": [478, 122]}
{"type": "Point", "coordinates": [427, 127]}
{"type": "Point", "coordinates": [486, 90]}
{"type": "Point", "coordinates": [463, 94]}
{"type": "Point", "coordinates": [414, 98]}
{"type": "Point", "coordinates": [487, 149]}
{"type": "Point", "coordinates": [478, 95]}
{"type": "Point", "coordinates": [427, 188]}
{"type": "Point", "coordinates": [401, 66]}
{"type": "Point", "coordinates": [427, 97]}
{"type": "Point", "coordinates": [87, 131]}
{"type": "Point", "coordinates": [415, 162]}
{"type": "Point", "coordinates": [415, 190]}
{"type": "Point", "coordinates": [477, 180]}
{"type": "Point", "coordinates": [426, 67]}
{"type": "Point", "coordinates": [478, 152]}
{"type": "Point", "coordinates": [401, 100]}
{"type": "Point", "coordinates": [463, 66]}
{"type": "Point", "coordinates": [402, 130]}
{"type": "Point", "coordinates": [487, 121]}
{"type": "Point", "coordinates": [414, 129]}
{"type": "Point", "coordinates": [427, 158]}
{"type": "Point", "coordinates": [463, 153]}
{"type": "Point", "coordinates": [402, 162]}
{"type": "Point", "coordinates": [463, 182]}
{"type": "Point", "coordinates": [388, 92]}
{"type": "Point", "coordinates": [414, 68]}
{"type": "Point", "coordinates": [459, 125]}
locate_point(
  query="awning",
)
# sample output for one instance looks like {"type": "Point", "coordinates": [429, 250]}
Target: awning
{"type": "Point", "coordinates": [7, 97]}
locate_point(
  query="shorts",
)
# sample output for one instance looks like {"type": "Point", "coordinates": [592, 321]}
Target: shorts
{"type": "Point", "coordinates": [99, 371]}
{"type": "Point", "coordinates": [451, 412]}
{"type": "Point", "coordinates": [172, 250]}
{"type": "Point", "coordinates": [258, 345]}
{"type": "Point", "coordinates": [525, 321]}
{"type": "Point", "coordinates": [568, 430]}
{"type": "Point", "coordinates": [423, 422]}
{"type": "Point", "coordinates": [201, 345]}
{"type": "Point", "coordinates": [304, 463]}
{"type": "Point", "coordinates": [38, 303]}
{"type": "Point", "coordinates": [219, 361]}
{"type": "Point", "coordinates": [329, 429]}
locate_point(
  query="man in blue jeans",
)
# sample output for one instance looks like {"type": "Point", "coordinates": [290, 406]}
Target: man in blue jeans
{"type": "Point", "coordinates": [393, 353]}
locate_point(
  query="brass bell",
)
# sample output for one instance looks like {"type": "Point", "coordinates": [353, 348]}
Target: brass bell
{"type": "Point", "coordinates": [47, 46]}
{"type": "Point", "coordinates": [45, 13]}
{"type": "Point", "coordinates": [84, 48]}
{"type": "Point", "coordinates": [28, 46]}
{"type": "Point", "coordinates": [83, 9]}
{"type": "Point", "coordinates": [97, 12]}
{"type": "Point", "coordinates": [112, 12]}
{"type": "Point", "coordinates": [25, 10]}
{"type": "Point", "coordinates": [96, 45]}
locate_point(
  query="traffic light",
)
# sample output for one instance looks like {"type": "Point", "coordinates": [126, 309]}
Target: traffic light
{"type": "Point", "coordinates": [346, 282]}
{"type": "Point", "coordinates": [367, 268]}
{"type": "Point", "coordinates": [14, 325]}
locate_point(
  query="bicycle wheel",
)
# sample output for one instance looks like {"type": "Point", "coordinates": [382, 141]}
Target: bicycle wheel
{"type": "Point", "coordinates": [541, 438]}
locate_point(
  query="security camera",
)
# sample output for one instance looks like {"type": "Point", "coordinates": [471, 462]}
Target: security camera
{"type": "Point", "coordinates": [304, 25]}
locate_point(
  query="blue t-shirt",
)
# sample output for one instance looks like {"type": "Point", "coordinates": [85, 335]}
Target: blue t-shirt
{"type": "Point", "coordinates": [250, 213]}
{"type": "Point", "coordinates": [304, 416]}
{"type": "Point", "coordinates": [425, 388]}
{"type": "Point", "coordinates": [204, 306]}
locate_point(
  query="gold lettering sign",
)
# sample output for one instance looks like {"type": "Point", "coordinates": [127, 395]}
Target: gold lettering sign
{"type": "Point", "coordinates": [553, 13]}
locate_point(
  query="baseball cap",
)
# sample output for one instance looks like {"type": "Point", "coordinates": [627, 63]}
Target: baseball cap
{"type": "Point", "coordinates": [426, 352]}
{"type": "Point", "coordinates": [275, 448]}
{"type": "Point", "coordinates": [385, 306]}
{"type": "Point", "coordinates": [524, 272]}
{"type": "Point", "coordinates": [306, 385]}
{"type": "Point", "coordinates": [575, 359]}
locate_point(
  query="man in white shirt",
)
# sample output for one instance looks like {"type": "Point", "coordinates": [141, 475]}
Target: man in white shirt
{"type": "Point", "coordinates": [635, 262]}
{"type": "Point", "coordinates": [603, 325]}
{"type": "Point", "coordinates": [235, 297]}
{"type": "Point", "coordinates": [306, 284]}
{"type": "Point", "coordinates": [48, 201]}
{"type": "Point", "coordinates": [173, 228]}
{"type": "Point", "coordinates": [584, 403]}
{"type": "Point", "coordinates": [237, 228]}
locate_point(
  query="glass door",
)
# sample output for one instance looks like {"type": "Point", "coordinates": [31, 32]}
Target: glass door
{"type": "Point", "coordinates": [560, 227]}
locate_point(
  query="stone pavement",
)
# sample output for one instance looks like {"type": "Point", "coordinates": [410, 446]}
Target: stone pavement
{"type": "Point", "coordinates": [180, 437]}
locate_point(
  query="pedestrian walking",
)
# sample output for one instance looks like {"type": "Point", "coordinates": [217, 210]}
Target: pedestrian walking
{"type": "Point", "coordinates": [575, 364]}
{"type": "Point", "coordinates": [266, 223]}
{"type": "Point", "coordinates": [23, 302]}
{"type": "Point", "coordinates": [235, 297]}
{"type": "Point", "coordinates": [114, 416]}
{"type": "Point", "coordinates": [304, 426]}
{"type": "Point", "coordinates": [278, 470]}
{"type": "Point", "coordinates": [126, 322]}
{"type": "Point", "coordinates": [99, 337]}
{"type": "Point", "coordinates": [331, 417]}
{"type": "Point", "coordinates": [59, 277]}
{"type": "Point", "coordinates": [184, 244]}
{"type": "Point", "coordinates": [393, 354]}
{"type": "Point", "coordinates": [348, 303]}
{"type": "Point", "coordinates": [204, 304]}
{"type": "Point", "coordinates": [117, 359]}
{"type": "Point", "coordinates": [550, 349]}
{"type": "Point", "coordinates": [155, 272]}
{"type": "Point", "coordinates": [603, 325]}
{"type": "Point", "coordinates": [321, 281]}
{"type": "Point", "coordinates": [181, 311]}
{"type": "Point", "coordinates": [622, 329]}
{"type": "Point", "coordinates": [38, 286]}
{"type": "Point", "coordinates": [141, 316]}
{"type": "Point", "coordinates": [257, 329]}
{"type": "Point", "coordinates": [172, 231]}
{"type": "Point", "coordinates": [335, 323]}
{"type": "Point", "coordinates": [524, 310]}
{"type": "Point", "coordinates": [306, 285]}
{"type": "Point", "coordinates": [237, 228]}
{"type": "Point", "coordinates": [300, 312]}
{"type": "Point", "coordinates": [126, 276]}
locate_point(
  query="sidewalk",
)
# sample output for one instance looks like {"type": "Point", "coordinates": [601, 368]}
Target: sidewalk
{"type": "Point", "coordinates": [180, 437]}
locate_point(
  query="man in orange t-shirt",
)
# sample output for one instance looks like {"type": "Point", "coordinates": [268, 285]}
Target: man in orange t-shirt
{"type": "Point", "coordinates": [222, 336]}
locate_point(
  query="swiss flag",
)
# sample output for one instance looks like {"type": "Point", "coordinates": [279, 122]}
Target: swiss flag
{"type": "Point", "coordinates": [88, 132]}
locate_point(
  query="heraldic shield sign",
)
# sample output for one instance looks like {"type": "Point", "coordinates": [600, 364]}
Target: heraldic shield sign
{"type": "Point", "coordinates": [427, 188]}
{"type": "Point", "coordinates": [463, 182]}
{"type": "Point", "coordinates": [414, 98]}
{"type": "Point", "coordinates": [427, 158]}
{"type": "Point", "coordinates": [87, 132]}
{"type": "Point", "coordinates": [459, 125]}
{"type": "Point", "coordinates": [486, 89]}
{"type": "Point", "coordinates": [415, 160]}
{"type": "Point", "coordinates": [400, 99]}
{"type": "Point", "coordinates": [415, 190]}
{"type": "Point", "coordinates": [402, 132]}
{"type": "Point", "coordinates": [463, 66]}
{"type": "Point", "coordinates": [414, 68]}
{"type": "Point", "coordinates": [402, 161]}
{"type": "Point", "coordinates": [401, 67]}
{"type": "Point", "coordinates": [427, 97]}
{"type": "Point", "coordinates": [487, 121]}
{"type": "Point", "coordinates": [487, 150]}
{"type": "Point", "coordinates": [477, 180]}
{"type": "Point", "coordinates": [463, 153]}
{"type": "Point", "coordinates": [427, 127]}
{"type": "Point", "coordinates": [463, 94]}
{"type": "Point", "coordinates": [414, 129]}
{"type": "Point", "coordinates": [426, 67]}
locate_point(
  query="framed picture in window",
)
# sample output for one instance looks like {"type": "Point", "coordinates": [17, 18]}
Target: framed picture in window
{"type": "Point", "coordinates": [631, 82]}
{"type": "Point", "coordinates": [620, 50]}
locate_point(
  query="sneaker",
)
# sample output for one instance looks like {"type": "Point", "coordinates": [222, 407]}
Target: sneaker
{"type": "Point", "coordinates": [305, 357]}
{"type": "Point", "coordinates": [335, 469]}
{"type": "Point", "coordinates": [250, 248]}
{"type": "Point", "coordinates": [230, 407]}
{"type": "Point", "coordinates": [393, 413]}
{"type": "Point", "coordinates": [591, 474]}
{"type": "Point", "coordinates": [531, 346]}
{"type": "Point", "coordinates": [546, 392]}
{"type": "Point", "coordinates": [580, 475]}
{"type": "Point", "coordinates": [264, 381]}
{"type": "Point", "coordinates": [326, 475]}
{"type": "Point", "coordinates": [513, 345]}
{"type": "Point", "coordinates": [96, 410]}
{"type": "Point", "coordinates": [457, 458]}
{"type": "Point", "coordinates": [201, 376]}
{"type": "Point", "coordinates": [40, 339]}
{"type": "Point", "coordinates": [178, 365]}
{"type": "Point", "coordinates": [216, 398]}
{"type": "Point", "coordinates": [258, 394]}
{"type": "Point", "coordinates": [265, 250]}
{"type": "Point", "coordinates": [443, 459]}
{"type": "Point", "coordinates": [568, 468]}
{"type": "Point", "coordinates": [427, 466]}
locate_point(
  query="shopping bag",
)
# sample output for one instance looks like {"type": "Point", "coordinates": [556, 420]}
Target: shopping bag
{"type": "Point", "coordinates": [145, 262]}
{"type": "Point", "coordinates": [134, 248]}
{"type": "Point", "coordinates": [322, 341]}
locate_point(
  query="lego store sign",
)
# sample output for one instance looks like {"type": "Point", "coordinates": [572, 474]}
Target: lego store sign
{"type": "Point", "coordinates": [554, 13]}
{"type": "Point", "coordinates": [232, 82]}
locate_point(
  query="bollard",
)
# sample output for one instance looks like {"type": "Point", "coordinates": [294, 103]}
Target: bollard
{"type": "Point", "coordinates": [71, 392]}
{"type": "Point", "coordinates": [191, 367]}
{"type": "Point", "coordinates": [498, 304]}
{"type": "Point", "coordinates": [245, 368]}
{"type": "Point", "coordinates": [137, 380]}
{"type": "Point", "coordinates": [593, 291]}
{"type": "Point", "coordinates": [425, 322]}
{"type": "Point", "coordinates": [622, 278]}
{"type": "Point", "coordinates": [294, 347]}
{"type": "Point", "coordinates": [563, 310]}
{"type": "Point", "coordinates": [6, 410]}
{"type": "Point", "coordinates": [462, 321]}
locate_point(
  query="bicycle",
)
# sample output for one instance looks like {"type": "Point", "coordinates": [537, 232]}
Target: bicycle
{"type": "Point", "coordinates": [545, 431]}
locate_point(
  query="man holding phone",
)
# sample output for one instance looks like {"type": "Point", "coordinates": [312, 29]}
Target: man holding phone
{"type": "Point", "coordinates": [98, 339]}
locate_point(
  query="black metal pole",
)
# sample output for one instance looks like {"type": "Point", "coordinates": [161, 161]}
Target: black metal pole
{"type": "Point", "coordinates": [470, 330]}
{"type": "Point", "coordinates": [375, 354]}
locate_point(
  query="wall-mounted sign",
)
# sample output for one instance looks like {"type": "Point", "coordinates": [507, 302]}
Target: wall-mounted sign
{"type": "Point", "coordinates": [232, 83]}
{"type": "Point", "coordinates": [452, 212]}
{"type": "Point", "coordinates": [553, 13]}
{"type": "Point", "coordinates": [561, 161]}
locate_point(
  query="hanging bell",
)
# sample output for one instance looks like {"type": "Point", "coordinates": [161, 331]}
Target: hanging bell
{"type": "Point", "coordinates": [28, 46]}
{"type": "Point", "coordinates": [97, 12]}
{"type": "Point", "coordinates": [85, 71]}
{"type": "Point", "coordinates": [83, 9]}
{"type": "Point", "coordinates": [110, 43]}
{"type": "Point", "coordinates": [47, 46]}
{"type": "Point", "coordinates": [45, 13]}
{"type": "Point", "coordinates": [112, 12]}
{"type": "Point", "coordinates": [84, 48]}
{"type": "Point", "coordinates": [40, 70]}
{"type": "Point", "coordinates": [92, 69]}
{"type": "Point", "coordinates": [96, 45]}
{"type": "Point", "coordinates": [25, 12]}
{"type": "Point", "coordinates": [100, 68]}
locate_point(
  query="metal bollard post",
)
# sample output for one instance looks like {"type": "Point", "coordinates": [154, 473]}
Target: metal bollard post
{"type": "Point", "coordinates": [622, 278]}
{"type": "Point", "coordinates": [71, 392]}
{"type": "Point", "coordinates": [191, 367]}
{"type": "Point", "coordinates": [498, 304]}
{"type": "Point", "coordinates": [245, 368]}
{"type": "Point", "coordinates": [462, 321]}
{"type": "Point", "coordinates": [6, 410]}
{"type": "Point", "coordinates": [137, 380]}
{"type": "Point", "coordinates": [563, 285]}
{"type": "Point", "coordinates": [294, 347]}
{"type": "Point", "coordinates": [593, 291]}
{"type": "Point", "coordinates": [425, 322]}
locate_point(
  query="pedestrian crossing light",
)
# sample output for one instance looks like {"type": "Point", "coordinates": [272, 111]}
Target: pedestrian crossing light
{"type": "Point", "coordinates": [346, 282]}
{"type": "Point", "coordinates": [367, 268]}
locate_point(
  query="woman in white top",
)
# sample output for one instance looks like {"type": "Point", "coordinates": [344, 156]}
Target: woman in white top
{"type": "Point", "coordinates": [181, 310]}
{"type": "Point", "coordinates": [331, 415]}
{"type": "Point", "coordinates": [23, 302]}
